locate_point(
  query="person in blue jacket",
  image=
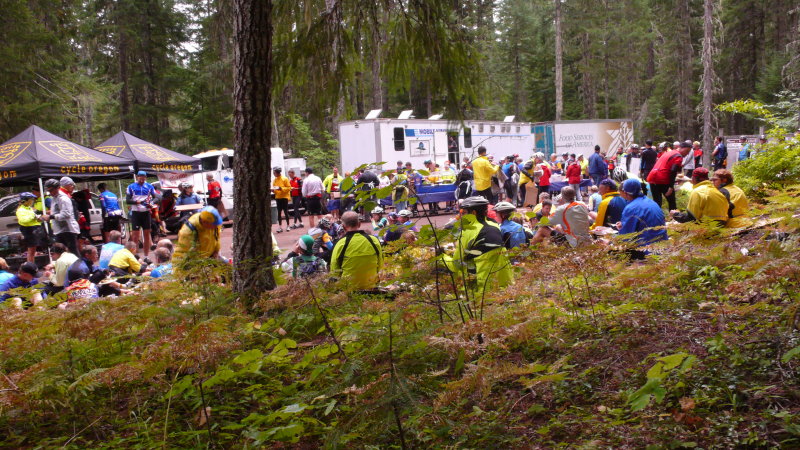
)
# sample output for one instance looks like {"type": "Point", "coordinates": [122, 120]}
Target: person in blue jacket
{"type": "Point", "coordinates": [24, 278]}
{"type": "Point", "coordinates": [513, 233]}
{"type": "Point", "coordinates": [641, 215]}
{"type": "Point", "coordinates": [598, 168]}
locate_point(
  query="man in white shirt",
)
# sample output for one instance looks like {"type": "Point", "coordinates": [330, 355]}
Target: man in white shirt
{"type": "Point", "coordinates": [312, 192]}
{"type": "Point", "coordinates": [62, 260]}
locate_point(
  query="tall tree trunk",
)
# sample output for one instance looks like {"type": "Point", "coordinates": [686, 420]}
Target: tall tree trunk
{"type": "Point", "coordinates": [559, 64]}
{"type": "Point", "coordinates": [252, 239]}
{"type": "Point", "coordinates": [708, 79]}
{"type": "Point", "coordinates": [685, 111]}
{"type": "Point", "coordinates": [124, 100]}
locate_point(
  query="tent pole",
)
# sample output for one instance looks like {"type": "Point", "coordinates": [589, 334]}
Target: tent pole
{"type": "Point", "coordinates": [122, 200]}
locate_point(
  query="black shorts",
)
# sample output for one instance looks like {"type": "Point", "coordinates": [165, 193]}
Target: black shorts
{"type": "Point", "coordinates": [214, 202]}
{"type": "Point", "coordinates": [111, 223]}
{"type": "Point", "coordinates": [140, 219]}
{"type": "Point", "coordinates": [32, 236]}
{"type": "Point", "coordinates": [314, 205]}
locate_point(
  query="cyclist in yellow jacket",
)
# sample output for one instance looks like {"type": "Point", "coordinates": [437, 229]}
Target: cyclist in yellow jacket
{"type": "Point", "coordinates": [30, 224]}
{"type": "Point", "coordinates": [737, 201]}
{"type": "Point", "coordinates": [480, 251]}
{"type": "Point", "coordinates": [200, 234]}
{"type": "Point", "coordinates": [706, 202]}
{"type": "Point", "coordinates": [483, 170]}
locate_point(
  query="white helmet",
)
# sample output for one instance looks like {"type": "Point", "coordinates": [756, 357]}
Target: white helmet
{"type": "Point", "coordinates": [504, 207]}
{"type": "Point", "coordinates": [404, 213]}
{"type": "Point", "coordinates": [377, 210]}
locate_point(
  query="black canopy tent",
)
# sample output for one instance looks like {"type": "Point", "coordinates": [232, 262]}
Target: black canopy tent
{"type": "Point", "coordinates": [148, 156]}
{"type": "Point", "coordinates": [35, 154]}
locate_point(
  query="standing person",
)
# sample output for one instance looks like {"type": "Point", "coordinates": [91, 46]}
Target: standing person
{"type": "Point", "coordinates": [297, 199]}
{"type": "Point", "coordinates": [649, 158]}
{"type": "Point", "coordinates": [720, 153]}
{"type": "Point", "coordinates": [698, 154]}
{"type": "Point", "coordinates": [63, 213]}
{"type": "Point", "coordinates": [332, 184]}
{"type": "Point", "coordinates": [139, 195]}
{"type": "Point", "coordinates": [283, 190]}
{"type": "Point", "coordinates": [30, 224]}
{"type": "Point", "coordinates": [542, 174]}
{"type": "Point", "coordinates": [215, 196]}
{"type": "Point", "coordinates": [483, 171]}
{"type": "Point", "coordinates": [112, 213]}
{"type": "Point", "coordinates": [357, 257]}
{"type": "Point", "coordinates": [312, 191]}
{"type": "Point", "coordinates": [744, 152]}
{"type": "Point", "coordinates": [574, 178]}
{"type": "Point", "coordinates": [688, 160]}
{"type": "Point", "coordinates": [662, 177]}
{"type": "Point", "coordinates": [598, 168]}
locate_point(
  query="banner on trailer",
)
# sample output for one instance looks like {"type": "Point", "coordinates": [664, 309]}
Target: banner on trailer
{"type": "Point", "coordinates": [581, 137]}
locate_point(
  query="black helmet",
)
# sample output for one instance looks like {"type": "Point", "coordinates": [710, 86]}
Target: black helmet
{"type": "Point", "coordinates": [474, 202]}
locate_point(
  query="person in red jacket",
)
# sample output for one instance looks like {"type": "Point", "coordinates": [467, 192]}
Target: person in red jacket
{"type": "Point", "coordinates": [662, 177]}
{"type": "Point", "coordinates": [574, 178]}
{"type": "Point", "coordinates": [297, 199]}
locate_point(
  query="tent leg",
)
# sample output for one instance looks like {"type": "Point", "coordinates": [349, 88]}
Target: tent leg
{"type": "Point", "coordinates": [122, 200]}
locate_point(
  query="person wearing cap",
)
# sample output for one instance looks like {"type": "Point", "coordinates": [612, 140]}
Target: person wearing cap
{"type": "Point", "coordinates": [609, 211]}
{"type": "Point", "coordinates": [483, 171]}
{"type": "Point", "coordinates": [737, 201]}
{"type": "Point", "coordinates": [403, 223]}
{"type": "Point", "coordinates": [282, 188]}
{"type": "Point", "coordinates": [24, 278]}
{"type": "Point", "coordinates": [706, 202]}
{"type": "Point", "coordinates": [688, 160]}
{"type": "Point", "coordinates": [305, 263]}
{"type": "Point", "coordinates": [642, 219]}
{"type": "Point", "coordinates": [63, 212]}
{"type": "Point", "coordinates": [30, 224]}
{"type": "Point", "coordinates": [479, 250]}
{"type": "Point", "coordinates": [720, 153]}
{"type": "Point", "coordinates": [512, 232]}
{"type": "Point", "coordinates": [744, 152]}
{"type": "Point", "coordinates": [667, 168]}
{"type": "Point", "coordinates": [312, 190]}
{"type": "Point", "coordinates": [200, 235]}
{"type": "Point", "coordinates": [139, 195]}
{"type": "Point", "coordinates": [598, 168]}
{"type": "Point", "coordinates": [569, 222]}
{"type": "Point", "coordinates": [357, 257]}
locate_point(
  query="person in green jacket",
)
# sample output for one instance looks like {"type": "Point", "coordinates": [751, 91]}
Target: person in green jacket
{"type": "Point", "coordinates": [30, 224]}
{"type": "Point", "coordinates": [357, 257]}
{"type": "Point", "coordinates": [480, 251]}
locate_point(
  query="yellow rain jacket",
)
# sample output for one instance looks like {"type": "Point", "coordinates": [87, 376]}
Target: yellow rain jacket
{"type": "Point", "coordinates": [357, 258]}
{"type": "Point", "coordinates": [480, 251]}
{"type": "Point", "coordinates": [194, 236]}
{"type": "Point", "coordinates": [738, 217]}
{"type": "Point", "coordinates": [26, 216]}
{"type": "Point", "coordinates": [482, 172]}
{"type": "Point", "coordinates": [707, 202]}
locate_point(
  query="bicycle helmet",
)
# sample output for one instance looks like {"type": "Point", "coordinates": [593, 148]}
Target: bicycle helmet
{"type": "Point", "coordinates": [474, 202]}
{"type": "Point", "coordinates": [404, 213]}
{"type": "Point", "coordinates": [619, 175]}
{"type": "Point", "coordinates": [186, 185]}
{"type": "Point", "coordinates": [504, 207]}
{"type": "Point", "coordinates": [377, 210]}
{"type": "Point", "coordinates": [324, 223]}
{"type": "Point", "coordinates": [51, 183]}
{"type": "Point", "coordinates": [26, 196]}
{"type": "Point", "coordinates": [210, 214]}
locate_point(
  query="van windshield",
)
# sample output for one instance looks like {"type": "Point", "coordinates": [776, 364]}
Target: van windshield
{"type": "Point", "coordinates": [210, 163]}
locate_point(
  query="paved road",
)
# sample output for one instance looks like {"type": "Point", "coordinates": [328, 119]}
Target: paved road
{"type": "Point", "coordinates": [287, 239]}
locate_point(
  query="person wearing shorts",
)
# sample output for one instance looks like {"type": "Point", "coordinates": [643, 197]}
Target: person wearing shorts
{"type": "Point", "coordinates": [139, 195]}
{"type": "Point", "coordinates": [30, 224]}
{"type": "Point", "coordinates": [215, 196]}
{"type": "Point", "coordinates": [112, 213]}
{"type": "Point", "coordinates": [312, 191]}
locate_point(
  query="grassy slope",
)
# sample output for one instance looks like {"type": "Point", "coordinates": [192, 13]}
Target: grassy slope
{"type": "Point", "coordinates": [693, 347]}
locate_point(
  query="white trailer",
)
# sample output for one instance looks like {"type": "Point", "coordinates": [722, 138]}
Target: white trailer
{"type": "Point", "coordinates": [416, 140]}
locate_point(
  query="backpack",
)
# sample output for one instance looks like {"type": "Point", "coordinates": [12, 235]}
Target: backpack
{"type": "Point", "coordinates": [307, 268]}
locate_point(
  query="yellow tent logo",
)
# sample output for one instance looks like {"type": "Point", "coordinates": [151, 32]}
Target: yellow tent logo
{"type": "Point", "coordinates": [113, 150]}
{"type": "Point", "coordinates": [10, 151]}
{"type": "Point", "coordinates": [151, 151]}
{"type": "Point", "coordinates": [68, 151]}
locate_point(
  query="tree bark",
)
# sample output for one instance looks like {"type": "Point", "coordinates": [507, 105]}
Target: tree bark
{"type": "Point", "coordinates": [559, 64]}
{"type": "Point", "coordinates": [708, 79]}
{"type": "Point", "coordinates": [252, 238]}
{"type": "Point", "coordinates": [685, 113]}
{"type": "Point", "coordinates": [124, 100]}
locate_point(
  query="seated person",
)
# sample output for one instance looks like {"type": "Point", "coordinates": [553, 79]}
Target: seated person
{"type": "Point", "coordinates": [124, 261]}
{"type": "Point", "coordinates": [63, 259]}
{"type": "Point", "coordinates": [706, 202]}
{"type": "Point", "coordinates": [304, 263]}
{"type": "Point", "coordinates": [610, 210]}
{"type": "Point", "coordinates": [737, 201]}
{"type": "Point", "coordinates": [163, 263]}
{"type": "Point", "coordinates": [642, 217]}
{"type": "Point", "coordinates": [513, 233]}
{"type": "Point", "coordinates": [84, 275]}
{"type": "Point", "coordinates": [24, 278]}
{"type": "Point", "coordinates": [594, 198]}
{"type": "Point", "coordinates": [570, 222]}
{"type": "Point", "coordinates": [323, 244]}
{"type": "Point", "coordinates": [84, 266]}
{"type": "Point", "coordinates": [167, 244]}
{"type": "Point", "coordinates": [109, 248]}
{"type": "Point", "coordinates": [4, 273]}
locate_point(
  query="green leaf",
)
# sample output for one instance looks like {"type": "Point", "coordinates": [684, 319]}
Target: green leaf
{"type": "Point", "coordinates": [791, 354]}
{"type": "Point", "coordinates": [248, 356]}
{"type": "Point", "coordinates": [459, 362]}
{"type": "Point", "coordinates": [423, 172]}
{"type": "Point", "coordinates": [347, 184]}
{"type": "Point", "coordinates": [329, 408]}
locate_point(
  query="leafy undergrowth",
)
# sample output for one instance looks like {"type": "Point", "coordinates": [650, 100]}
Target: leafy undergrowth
{"type": "Point", "coordinates": [696, 347]}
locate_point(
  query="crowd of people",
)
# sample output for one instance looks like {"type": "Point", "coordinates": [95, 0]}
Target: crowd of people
{"type": "Point", "coordinates": [85, 269]}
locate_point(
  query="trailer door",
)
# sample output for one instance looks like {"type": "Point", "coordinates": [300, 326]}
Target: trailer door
{"type": "Point", "coordinates": [439, 145]}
